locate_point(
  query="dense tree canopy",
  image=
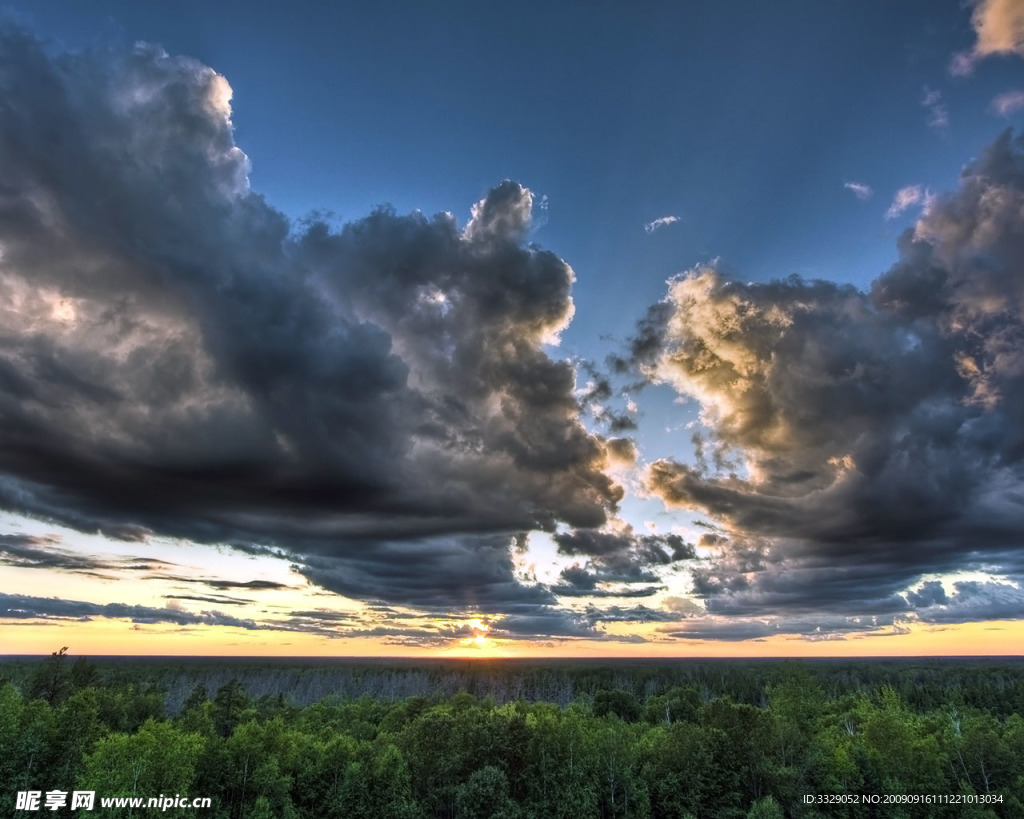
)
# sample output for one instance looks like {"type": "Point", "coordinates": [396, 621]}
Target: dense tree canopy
{"type": "Point", "coordinates": [737, 742]}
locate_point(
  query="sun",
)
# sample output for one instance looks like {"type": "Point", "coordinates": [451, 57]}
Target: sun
{"type": "Point", "coordinates": [479, 638]}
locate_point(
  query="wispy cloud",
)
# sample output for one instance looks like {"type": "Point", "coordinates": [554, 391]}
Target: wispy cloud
{"type": "Point", "coordinates": [664, 221]}
{"type": "Point", "coordinates": [905, 199]}
{"type": "Point", "coordinates": [1007, 103]}
{"type": "Point", "coordinates": [860, 190]}
{"type": "Point", "coordinates": [962, 64]}
{"type": "Point", "coordinates": [938, 113]}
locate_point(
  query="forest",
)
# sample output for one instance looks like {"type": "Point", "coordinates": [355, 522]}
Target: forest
{"type": "Point", "coordinates": [517, 739]}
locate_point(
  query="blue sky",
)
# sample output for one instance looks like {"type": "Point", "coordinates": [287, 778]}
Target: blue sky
{"type": "Point", "coordinates": [759, 140]}
{"type": "Point", "coordinates": [743, 125]}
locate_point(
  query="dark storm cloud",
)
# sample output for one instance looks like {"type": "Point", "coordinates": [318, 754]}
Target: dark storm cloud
{"type": "Point", "coordinates": [971, 600]}
{"type": "Point", "coordinates": [36, 552]}
{"type": "Point", "coordinates": [621, 450]}
{"type": "Point", "coordinates": [30, 551]}
{"type": "Point", "coordinates": [712, 540]}
{"type": "Point", "coordinates": [659, 549]}
{"type": "Point", "coordinates": [875, 436]}
{"type": "Point", "coordinates": [228, 601]}
{"type": "Point", "coordinates": [251, 585]}
{"type": "Point", "coordinates": [443, 575]}
{"type": "Point", "coordinates": [596, 395]}
{"type": "Point", "coordinates": [619, 614]}
{"type": "Point", "coordinates": [930, 593]}
{"type": "Point", "coordinates": [223, 585]}
{"type": "Point", "coordinates": [618, 422]}
{"type": "Point", "coordinates": [732, 586]}
{"type": "Point", "coordinates": [577, 581]}
{"type": "Point", "coordinates": [177, 358]}
{"type": "Point", "coordinates": [422, 637]}
{"type": "Point", "coordinates": [333, 616]}
{"type": "Point", "coordinates": [617, 562]}
{"type": "Point", "coordinates": [728, 630]}
{"type": "Point", "coordinates": [815, 626]}
{"type": "Point", "coordinates": [390, 613]}
{"type": "Point", "coordinates": [23, 607]}
{"type": "Point", "coordinates": [327, 624]}
{"type": "Point", "coordinates": [546, 622]}
{"type": "Point", "coordinates": [592, 542]}
{"type": "Point", "coordinates": [646, 344]}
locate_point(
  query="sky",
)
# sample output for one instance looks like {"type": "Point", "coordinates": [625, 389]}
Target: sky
{"type": "Point", "coordinates": [517, 330]}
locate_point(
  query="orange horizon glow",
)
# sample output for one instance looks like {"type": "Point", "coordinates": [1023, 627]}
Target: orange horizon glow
{"type": "Point", "coordinates": [116, 638]}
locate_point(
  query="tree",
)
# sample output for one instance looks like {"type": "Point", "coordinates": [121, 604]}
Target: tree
{"type": "Point", "coordinates": [159, 759]}
{"type": "Point", "coordinates": [78, 728]}
{"type": "Point", "coordinates": [738, 735]}
{"type": "Point", "coordinates": [900, 747]}
{"type": "Point", "coordinates": [562, 767]}
{"type": "Point", "coordinates": [377, 785]}
{"type": "Point", "coordinates": [83, 674]}
{"type": "Point", "coordinates": [228, 703]}
{"type": "Point", "coordinates": [261, 809]}
{"type": "Point", "coordinates": [485, 795]}
{"type": "Point", "coordinates": [676, 765]}
{"type": "Point", "coordinates": [765, 808]}
{"type": "Point", "coordinates": [621, 703]}
{"type": "Point", "coordinates": [26, 739]}
{"type": "Point", "coordinates": [257, 760]}
{"type": "Point", "coordinates": [51, 680]}
{"type": "Point", "coordinates": [196, 697]}
{"type": "Point", "coordinates": [320, 769]}
{"type": "Point", "coordinates": [622, 792]}
{"type": "Point", "coordinates": [679, 703]}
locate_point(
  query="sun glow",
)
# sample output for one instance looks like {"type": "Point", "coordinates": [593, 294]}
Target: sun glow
{"type": "Point", "coordinates": [479, 638]}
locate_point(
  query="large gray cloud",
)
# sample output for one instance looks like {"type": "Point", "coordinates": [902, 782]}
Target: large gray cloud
{"type": "Point", "coordinates": [176, 357]}
{"type": "Point", "coordinates": [862, 440]}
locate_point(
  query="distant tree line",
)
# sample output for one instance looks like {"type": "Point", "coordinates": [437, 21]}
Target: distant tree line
{"type": "Point", "coordinates": [995, 685]}
{"type": "Point", "coordinates": [737, 741]}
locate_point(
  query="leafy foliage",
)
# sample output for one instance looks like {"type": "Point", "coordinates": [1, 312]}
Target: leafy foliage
{"type": "Point", "coordinates": [741, 741]}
